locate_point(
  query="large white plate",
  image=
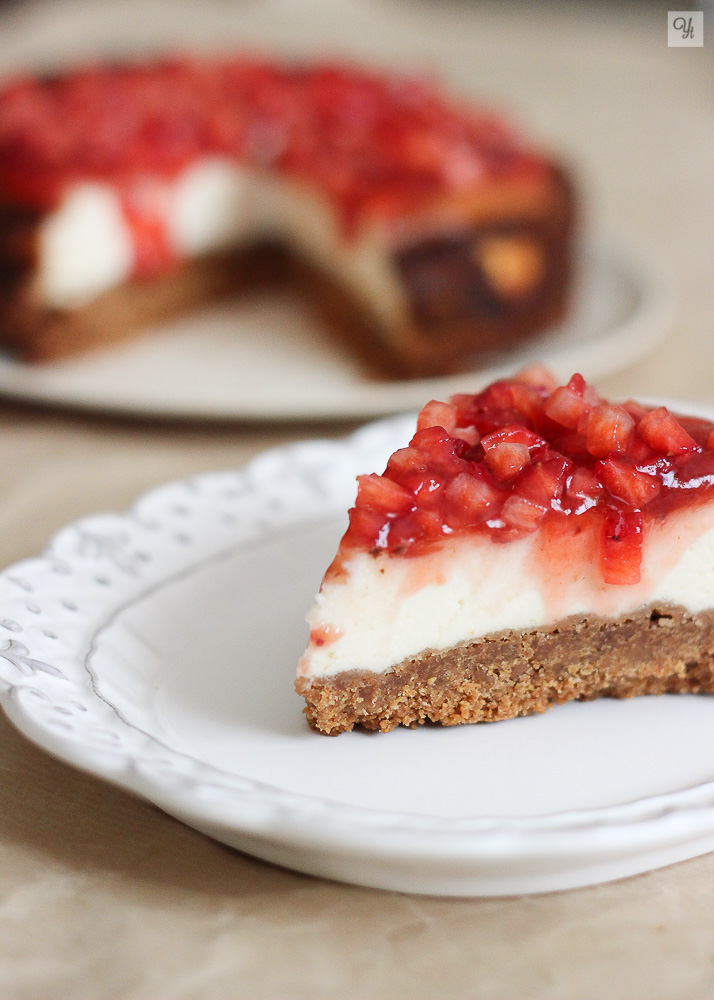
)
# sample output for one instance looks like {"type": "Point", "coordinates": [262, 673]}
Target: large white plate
{"type": "Point", "coordinates": [265, 358]}
{"type": "Point", "coordinates": [157, 649]}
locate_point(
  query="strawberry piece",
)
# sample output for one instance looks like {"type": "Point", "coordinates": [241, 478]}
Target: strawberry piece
{"type": "Point", "coordinates": [467, 411]}
{"type": "Point", "coordinates": [527, 401]}
{"type": "Point", "coordinates": [368, 528]}
{"type": "Point", "coordinates": [697, 427]}
{"type": "Point", "coordinates": [468, 434]}
{"type": "Point", "coordinates": [538, 377]}
{"type": "Point", "coordinates": [464, 404]}
{"type": "Point", "coordinates": [640, 452]}
{"type": "Point", "coordinates": [609, 428]}
{"type": "Point", "coordinates": [153, 252]}
{"type": "Point", "coordinates": [565, 406]}
{"type": "Point", "coordinates": [661, 431]}
{"type": "Point", "coordinates": [621, 550]}
{"type": "Point", "coordinates": [582, 424]}
{"type": "Point", "coordinates": [325, 635]}
{"type": "Point", "coordinates": [635, 409]}
{"type": "Point", "coordinates": [416, 532]}
{"type": "Point", "coordinates": [505, 459]}
{"type": "Point", "coordinates": [514, 434]}
{"type": "Point", "coordinates": [471, 498]}
{"type": "Point", "coordinates": [383, 494]}
{"type": "Point", "coordinates": [439, 447]}
{"type": "Point", "coordinates": [437, 414]}
{"type": "Point", "coordinates": [624, 481]}
{"type": "Point", "coordinates": [544, 482]}
{"type": "Point", "coordinates": [499, 396]}
{"type": "Point", "coordinates": [510, 449]}
{"type": "Point", "coordinates": [583, 485]}
{"type": "Point", "coordinates": [590, 396]}
{"type": "Point", "coordinates": [572, 444]}
{"type": "Point", "coordinates": [580, 387]}
{"type": "Point", "coordinates": [427, 491]}
{"type": "Point", "coordinates": [697, 470]}
{"type": "Point", "coordinates": [405, 463]}
{"type": "Point", "coordinates": [523, 514]}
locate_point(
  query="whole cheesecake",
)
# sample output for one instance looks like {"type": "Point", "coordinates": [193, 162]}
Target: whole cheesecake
{"type": "Point", "coordinates": [534, 544]}
{"type": "Point", "coordinates": [426, 232]}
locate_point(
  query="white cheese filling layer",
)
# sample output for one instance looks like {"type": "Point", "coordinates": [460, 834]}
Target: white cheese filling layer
{"type": "Point", "coordinates": [86, 244]}
{"type": "Point", "coordinates": [390, 608]}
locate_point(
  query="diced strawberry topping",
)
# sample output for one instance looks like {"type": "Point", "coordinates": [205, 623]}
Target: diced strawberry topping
{"type": "Point", "coordinates": [373, 144]}
{"type": "Point", "coordinates": [514, 434]}
{"type": "Point", "coordinates": [635, 409]}
{"type": "Point", "coordinates": [583, 485]}
{"type": "Point", "coordinates": [609, 428]}
{"type": "Point", "coordinates": [695, 472]}
{"type": "Point", "coordinates": [640, 452]}
{"type": "Point", "coordinates": [470, 498]}
{"type": "Point", "coordinates": [153, 252]}
{"type": "Point", "coordinates": [383, 494]}
{"type": "Point", "coordinates": [544, 482]}
{"type": "Point", "coordinates": [442, 450]}
{"type": "Point", "coordinates": [622, 547]}
{"type": "Point", "coordinates": [698, 428]}
{"type": "Point", "coordinates": [367, 523]}
{"type": "Point", "coordinates": [661, 431]}
{"type": "Point", "coordinates": [505, 461]}
{"type": "Point", "coordinates": [587, 391]}
{"type": "Point", "coordinates": [522, 514]}
{"type": "Point", "coordinates": [527, 400]}
{"type": "Point", "coordinates": [419, 530]}
{"type": "Point", "coordinates": [436, 414]}
{"type": "Point", "coordinates": [624, 481]}
{"type": "Point", "coordinates": [404, 463]}
{"type": "Point", "coordinates": [538, 377]}
{"type": "Point", "coordinates": [565, 407]}
{"type": "Point", "coordinates": [469, 435]}
{"type": "Point", "coordinates": [325, 635]}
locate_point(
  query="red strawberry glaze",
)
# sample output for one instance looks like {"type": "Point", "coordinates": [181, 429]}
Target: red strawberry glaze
{"type": "Point", "coordinates": [325, 635]}
{"type": "Point", "coordinates": [153, 252]}
{"type": "Point", "coordinates": [547, 455]}
{"type": "Point", "coordinates": [375, 145]}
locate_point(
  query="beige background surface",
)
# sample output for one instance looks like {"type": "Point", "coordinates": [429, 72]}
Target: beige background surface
{"type": "Point", "coordinates": [101, 895]}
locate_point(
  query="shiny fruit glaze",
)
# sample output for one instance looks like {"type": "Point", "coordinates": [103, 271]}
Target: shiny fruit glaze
{"type": "Point", "coordinates": [522, 452]}
{"type": "Point", "coordinates": [373, 144]}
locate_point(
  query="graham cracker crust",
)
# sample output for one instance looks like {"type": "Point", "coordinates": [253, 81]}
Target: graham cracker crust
{"type": "Point", "coordinates": [38, 333]}
{"type": "Point", "coordinates": [659, 649]}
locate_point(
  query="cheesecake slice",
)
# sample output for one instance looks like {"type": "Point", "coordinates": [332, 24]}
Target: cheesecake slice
{"type": "Point", "coordinates": [427, 233]}
{"type": "Point", "coordinates": [534, 544]}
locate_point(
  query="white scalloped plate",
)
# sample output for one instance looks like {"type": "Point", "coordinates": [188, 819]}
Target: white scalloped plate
{"type": "Point", "coordinates": [265, 358]}
{"type": "Point", "coordinates": [157, 649]}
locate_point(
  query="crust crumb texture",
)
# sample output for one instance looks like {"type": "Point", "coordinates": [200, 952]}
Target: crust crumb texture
{"type": "Point", "coordinates": [655, 650]}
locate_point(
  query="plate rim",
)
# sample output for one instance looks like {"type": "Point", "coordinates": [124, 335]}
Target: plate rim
{"type": "Point", "coordinates": [196, 791]}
